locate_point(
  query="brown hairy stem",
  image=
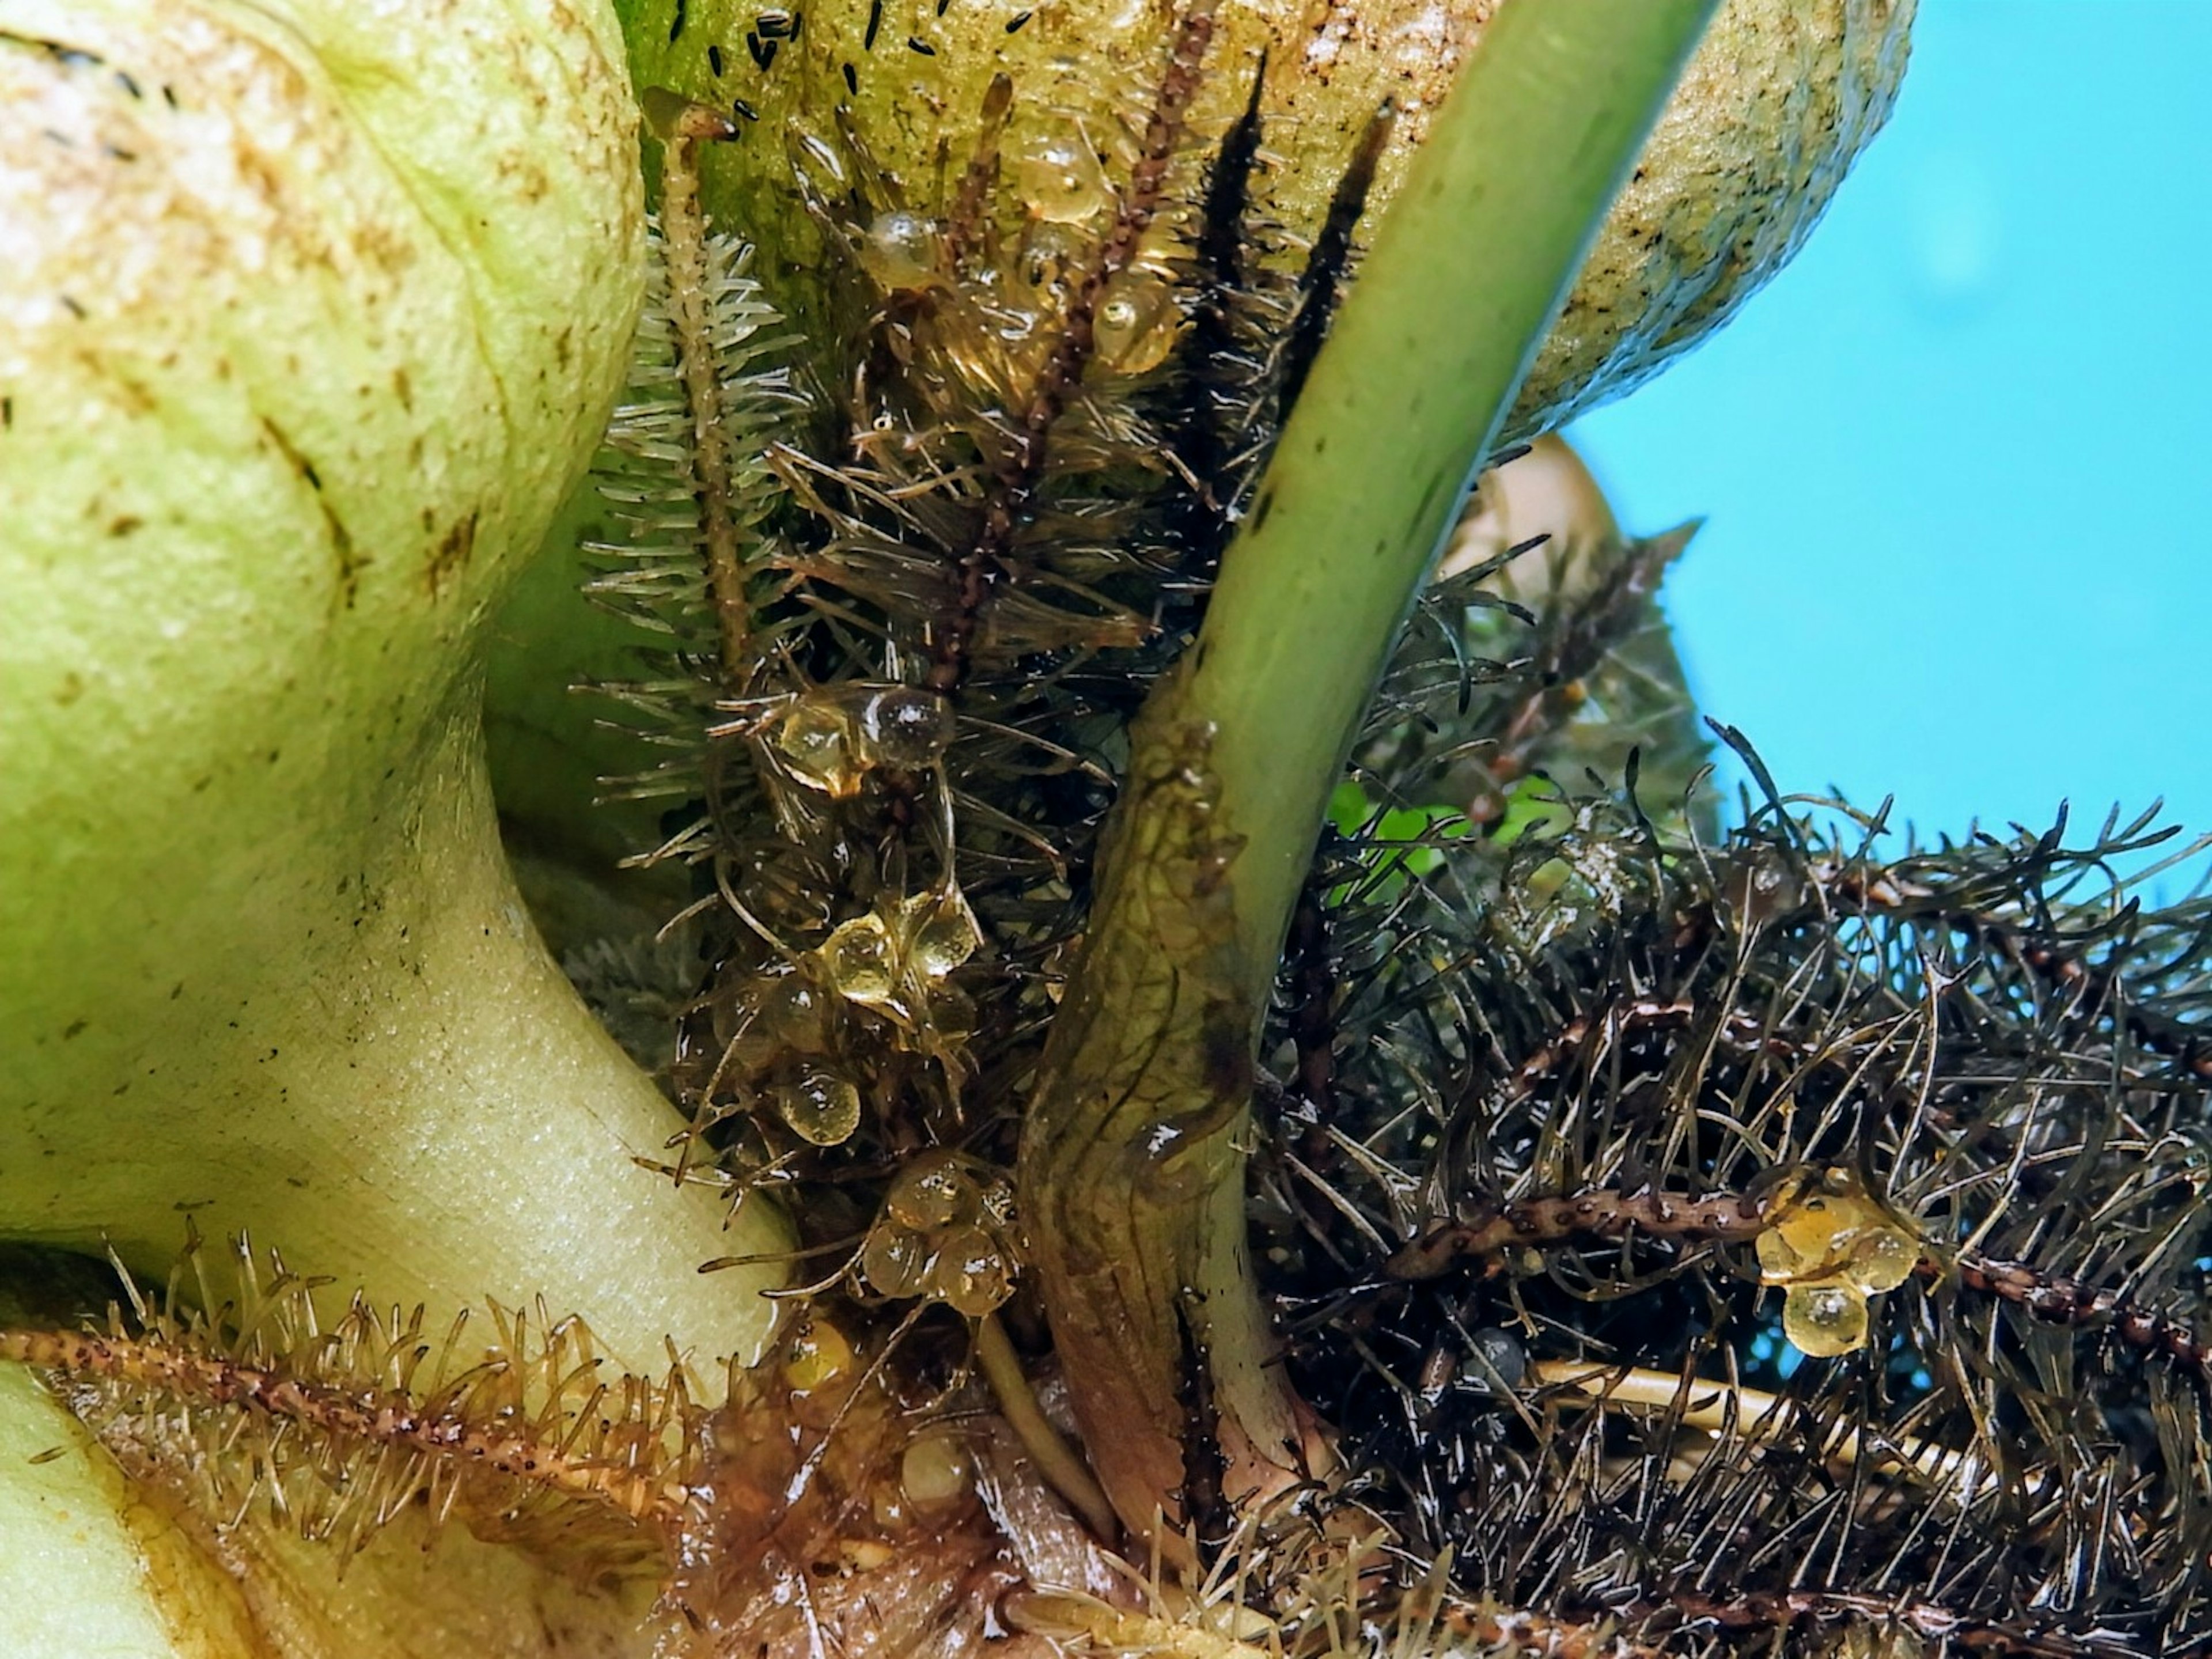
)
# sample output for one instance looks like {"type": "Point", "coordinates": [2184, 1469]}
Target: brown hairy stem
{"type": "Point", "coordinates": [376, 1417]}
{"type": "Point", "coordinates": [684, 245]}
{"type": "Point", "coordinates": [1598, 1214]}
{"type": "Point", "coordinates": [1021, 465]}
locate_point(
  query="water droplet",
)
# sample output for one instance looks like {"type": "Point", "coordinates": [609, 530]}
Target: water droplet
{"type": "Point", "coordinates": [936, 1472]}
{"type": "Point", "coordinates": [933, 1193]}
{"type": "Point", "coordinates": [815, 737]}
{"type": "Point", "coordinates": [1832, 1228]}
{"type": "Point", "coordinates": [941, 932]}
{"type": "Point", "coordinates": [1053, 257]}
{"type": "Point", "coordinates": [859, 962]}
{"type": "Point", "coordinates": [902, 251]}
{"type": "Point", "coordinates": [971, 1275]}
{"type": "Point", "coordinates": [1882, 1258]}
{"type": "Point", "coordinates": [1136, 322]}
{"type": "Point", "coordinates": [1059, 178]}
{"type": "Point", "coordinates": [904, 727]}
{"type": "Point", "coordinates": [1781, 1256]}
{"type": "Point", "coordinates": [794, 1012]}
{"type": "Point", "coordinates": [820, 1106]}
{"type": "Point", "coordinates": [817, 1356]}
{"type": "Point", "coordinates": [1825, 1319]}
{"type": "Point", "coordinates": [895, 1260]}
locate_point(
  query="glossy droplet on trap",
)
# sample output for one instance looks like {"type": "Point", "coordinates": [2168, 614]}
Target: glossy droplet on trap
{"type": "Point", "coordinates": [815, 738]}
{"type": "Point", "coordinates": [902, 251]}
{"type": "Point", "coordinates": [895, 1260]}
{"type": "Point", "coordinates": [1059, 178]}
{"type": "Point", "coordinates": [1135, 323]}
{"type": "Point", "coordinates": [905, 727]}
{"type": "Point", "coordinates": [1825, 1319]}
{"type": "Point", "coordinates": [794, 1015]}
{"type": "Point", "coordinates": [942, 931]}
{"type": "Point", "coordinates": [1801, 1239]}
{"type": "Point", "coordinates": [933, 1193]}
{"type": "Point", "coordinates": [936, 1472]}
{"type": "Point", "coordinates": [971, 1275]}
{"type": "Point", "coordinates": [860, 961]}
{"type": "Point", "coordinates": [820, 1106]}
{"type": "Point", "coordinates": [1053, 256]}
{"type": "Point", "coordinates": [1882, 1258]}
{"type": "Point", "coordinates": [817, 1356]}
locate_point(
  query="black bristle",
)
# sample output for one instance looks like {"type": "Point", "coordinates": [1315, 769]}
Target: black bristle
{"type": "Point", "coordinates": [1330, 260]}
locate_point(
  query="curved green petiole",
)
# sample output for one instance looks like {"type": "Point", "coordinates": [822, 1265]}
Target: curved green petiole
{"type": "Point", "coordinates": [1131, 1166]}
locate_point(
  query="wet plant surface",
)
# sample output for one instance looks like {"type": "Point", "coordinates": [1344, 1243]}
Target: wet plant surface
{"type": "Point", "coordinates": [1680, 1226]}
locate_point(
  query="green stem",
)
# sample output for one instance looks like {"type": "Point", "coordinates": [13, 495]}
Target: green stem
{"type": "Point", "coordinates": [1130, 1160]}
{"type": "Point", "coordinates": [1471, 264]}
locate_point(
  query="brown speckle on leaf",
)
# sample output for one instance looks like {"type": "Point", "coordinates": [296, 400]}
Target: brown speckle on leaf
{"type": "Point", "coordinates": [452, 555]}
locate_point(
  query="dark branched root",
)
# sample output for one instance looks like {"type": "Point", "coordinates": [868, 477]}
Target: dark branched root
{"type": "Point", "coordinates": [1580, 1073]}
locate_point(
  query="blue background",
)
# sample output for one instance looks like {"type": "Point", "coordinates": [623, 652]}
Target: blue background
{"type": "Point", "coordinates": [1952, 461]}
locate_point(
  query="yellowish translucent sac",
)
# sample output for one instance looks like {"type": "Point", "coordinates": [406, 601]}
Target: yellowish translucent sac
{"type": "Point", "coordinates": [783, 1013]}
{"type": "Point", "coordinates": [902, 251]}
{"type": "Point", "coordinates": [1059, 176]}
{"type": "Point", "coordinates": [905, 727]}
{"type": "Point", "coordinates": [859, 959]}
{"type": "Point", "coordinates": [1833, 1246]}
{"type": "Point", "coordinates": [1826, 1318]}
{"type": "Point", "coordinates": [1136, 323]}
{"type": "Point", "coordinates": [1831, 1228]}
{"type": "Point", "coordinates": [1054, 255]}
{"type": "Point", "coordinates": [946, 1233]}
{"type": "Point", "coordinates": [820, 1106]}
{"type": "Point", "coordinates": [793, 1014]}
{"type": "Point", "coordinates": [970, 1273]}
{"type": "Point", "coordinates": [832, 736]}
{"type": "Point", "coordinates": [817, 1356]}
{"type": "Point", "coordinates": [936, 1472]}
{"type": "Point", "coordinates": [933, 1192]}
{"type": "Point", "coordinates": [1881, 1260]}
{"type": "Point", "coordinates": [941, 932]}
{"type": "Point", "coordinates": [815, 737]}
{"type": "Point", "coordinates": [895, 1260]}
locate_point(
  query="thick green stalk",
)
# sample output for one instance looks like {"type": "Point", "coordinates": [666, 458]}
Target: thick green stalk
{"type": "Point", "coordinates": [1131, 1162]}
{"type": "Point", "coordinates": [1471, 262]}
